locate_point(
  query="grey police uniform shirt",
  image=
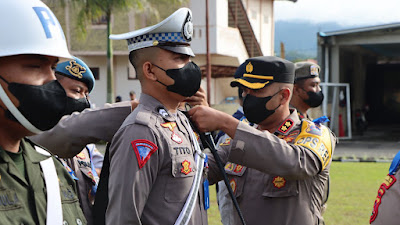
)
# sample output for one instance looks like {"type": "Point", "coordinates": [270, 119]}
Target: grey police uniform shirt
{"type": "Point", "coordinates": [75, 131]}
{"type": "Point", "coordinates": [386, 210]}
{"type": "Point", "coordinates": [81, 165]}
{"type": "Point", "coordinates": [152, 168]}
{"type": "Point", "coordinates": [286, 184]}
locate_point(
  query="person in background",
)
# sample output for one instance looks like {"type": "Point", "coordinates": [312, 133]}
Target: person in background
{"type": "Point", "coordinates": [35, 188]}
{"type": "Point", "coordinates": [306, 91]}
{"type": "Point", "coordinates": [118, 99]}
{"type": "Point", "coordinates": [78, 81]}
{"type": "Point", "coordinates": [132, 95]}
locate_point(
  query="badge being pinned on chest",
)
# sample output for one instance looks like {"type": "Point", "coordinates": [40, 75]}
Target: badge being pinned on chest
{"type": "Point", "coordinates": [171, 126]}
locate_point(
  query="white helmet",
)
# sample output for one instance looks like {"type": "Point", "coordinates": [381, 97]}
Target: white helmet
{"type": "Point", "coordinates": [30, 27]}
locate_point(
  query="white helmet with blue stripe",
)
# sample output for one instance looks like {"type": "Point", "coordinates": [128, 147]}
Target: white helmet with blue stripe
{"type": "Point", "coordinates": [30, 27]}
{"type": "Point", "coordinates": [173, 34]}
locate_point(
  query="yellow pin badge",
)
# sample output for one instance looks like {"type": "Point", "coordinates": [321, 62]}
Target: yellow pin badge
{"type": "Point", "coordinates": [249, 67]}
{"type": "Point", "coordinates": [75, 69]}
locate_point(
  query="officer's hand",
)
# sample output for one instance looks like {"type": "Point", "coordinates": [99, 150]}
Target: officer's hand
{"type": "Point", "coordinates": [205, 118]}
{"type": "Point", "coordinates": [198, 99]}
{"type": "Point", "coordinates": [209, 119]}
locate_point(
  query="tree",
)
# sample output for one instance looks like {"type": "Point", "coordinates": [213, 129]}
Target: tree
{"type": "Point", "coordinates": [95, 9]}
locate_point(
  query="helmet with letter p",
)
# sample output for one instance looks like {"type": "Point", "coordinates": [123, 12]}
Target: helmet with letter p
{"type": "Point", "coordinates": [30, 27]}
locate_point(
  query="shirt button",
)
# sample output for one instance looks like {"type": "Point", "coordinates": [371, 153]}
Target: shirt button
{"type": "Point", "coordinates": [65, 222]}
{"type": "Point", "coordinates": [78, 221]}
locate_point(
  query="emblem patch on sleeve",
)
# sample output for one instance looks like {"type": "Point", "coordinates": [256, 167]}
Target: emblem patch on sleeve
{"type": "Point", "coordinates": [186, 167]}
{"type": "Point", "coordinates": [143, 150]}
{"type": "Point", "coordinates": [317, 139]}
{"type": "Point", "coordinates": [387, 183]}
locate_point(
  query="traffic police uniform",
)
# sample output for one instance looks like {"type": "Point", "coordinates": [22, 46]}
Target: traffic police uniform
{"type": "Point", "coordinates": [386, 210]}
{"type": "Point", "coordinates": [290, 169]}
{"type": "Point", "coordinates": [153, 151]}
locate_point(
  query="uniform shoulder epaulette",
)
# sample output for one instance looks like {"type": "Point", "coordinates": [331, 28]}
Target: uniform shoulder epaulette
{"type": "Point", "coordinates": [317, 138]}
{"type": "Point", "coordinates": [143, 117]}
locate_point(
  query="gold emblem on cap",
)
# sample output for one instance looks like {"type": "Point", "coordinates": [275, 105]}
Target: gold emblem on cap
{"type": "Point", "coordinates": [75, 69]}
{"type": "Point", "coordinates": [155, 43]}
{"type": "Point", "coordinates": [249, 67]}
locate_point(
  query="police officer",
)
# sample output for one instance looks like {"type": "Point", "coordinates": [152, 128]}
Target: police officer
{"type": "Point", "coordinates": [35, 187]}
{"type": "Point", "coordinates": [386, 210]}
{"type": "Point", "coordinates": [225, 204]}
{"type": "Point", "coordinates": [278, 169]}
{"type": "Point", "coordinates": [306, 91]}
{"type": "Point", "coordinates": [307, 94]}
{"type": "Point", "coordinates": [154, 156]}
{"type": "Point", "coordinates": [78, 81]}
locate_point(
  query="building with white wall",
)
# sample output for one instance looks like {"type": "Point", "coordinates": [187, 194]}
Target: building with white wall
{"type": "Point", "coordinates": [238, 29]}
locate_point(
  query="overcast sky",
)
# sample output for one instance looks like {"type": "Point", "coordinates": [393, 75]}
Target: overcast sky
{"type": "Point", "coordinates": [344, 12]}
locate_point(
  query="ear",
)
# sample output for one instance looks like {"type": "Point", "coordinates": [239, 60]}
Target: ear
{"type": "Point", "coordinates": [148, 71]}
{"type": "Point", "coordinates": [285, 96]}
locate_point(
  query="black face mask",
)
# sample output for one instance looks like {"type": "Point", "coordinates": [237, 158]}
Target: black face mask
{"type": "Point", "coordinates": [76, 105]}
{"type": "Point", "coordinates": [42, 105]}
{"type": "Point", "coordinates": [187, 79]}
{"type": "Point", "coordinates": [314, 99]}
{"type": "Point", "coordinates": [255, 109]}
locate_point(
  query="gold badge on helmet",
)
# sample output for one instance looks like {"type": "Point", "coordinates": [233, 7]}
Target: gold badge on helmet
{"type": "Point", "coordinates": [249, 67]}
{"type": "Point", "coordinates": [75, 69]}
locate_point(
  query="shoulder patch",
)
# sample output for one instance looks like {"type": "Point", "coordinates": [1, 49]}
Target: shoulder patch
{"type": "Point", "coordinates": [387, 183]}
{"type": "Point", "coordinates": [143, 150]}
{"type": "Point", "coordinates": [234, 169]}
{"type": "Point", "coordinates": [285, 127]}
{"type": "Point", "coordinates": [317, 139]}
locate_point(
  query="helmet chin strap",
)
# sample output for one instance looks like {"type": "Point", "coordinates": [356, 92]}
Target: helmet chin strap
{"type": "Point", "coordinates": [16, 113]}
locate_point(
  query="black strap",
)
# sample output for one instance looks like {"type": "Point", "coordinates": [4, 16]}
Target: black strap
{"type": "Point", "coordinates": [101, 201]}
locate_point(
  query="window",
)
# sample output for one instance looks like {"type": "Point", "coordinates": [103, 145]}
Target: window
{"type": "Point", "coordinates": [96, 72]}
{"type": "Point", "coordinates": [100, 21]}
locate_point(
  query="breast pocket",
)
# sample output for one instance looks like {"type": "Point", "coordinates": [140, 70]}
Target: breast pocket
{"type": "Point", "coordinates": [278, 186]}
{"type": "Point", "coordinates": [9, 200]}
{"type": "Point", "coordinates": [183, 171]}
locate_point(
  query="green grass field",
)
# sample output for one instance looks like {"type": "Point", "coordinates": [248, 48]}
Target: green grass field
{"type": "Point", "coordinates": [353, 190]}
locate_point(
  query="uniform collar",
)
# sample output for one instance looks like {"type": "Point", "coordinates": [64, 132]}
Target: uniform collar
{"type": "Point", "coordinates": [155, 106]}
{"type": "Point", "coordinates": [29, 150]}
{"type": "Point", "coordinates": [289, 123]}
